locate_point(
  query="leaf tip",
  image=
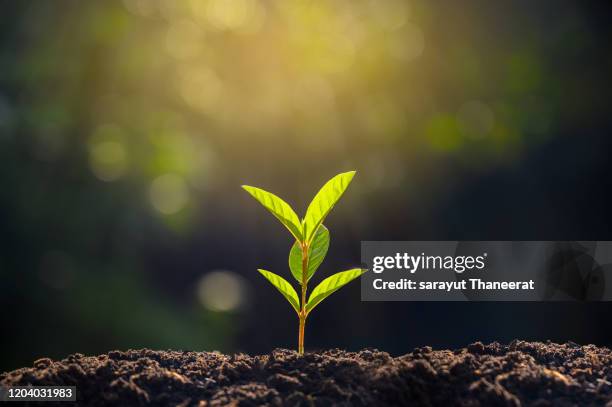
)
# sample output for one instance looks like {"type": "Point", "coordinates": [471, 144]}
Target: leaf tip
{"type": "Point", "coordinates": [348, 175]}
{"type": "Point", "coordinates": [250, 190]}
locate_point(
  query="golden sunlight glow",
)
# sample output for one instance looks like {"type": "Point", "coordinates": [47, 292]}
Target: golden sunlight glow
{"type": "Point", "coordinates": [238, 15]}
{"type": "Point", "coordinates": [408, 43]}
{"type": "Point", "coordinates": [184, 40]}
{"type": "Point", "coordinates": [389, 14]}
{"type": "Point", "coordinates": [323, 77]}
{"type": "Point", "coordinates": [201, 88]}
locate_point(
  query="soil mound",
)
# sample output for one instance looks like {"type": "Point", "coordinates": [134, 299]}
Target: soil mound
{"type": "Point", "coordinates": [518, 374]}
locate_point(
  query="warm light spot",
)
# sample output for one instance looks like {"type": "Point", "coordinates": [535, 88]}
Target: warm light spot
{"type": "Point", "coordinates": [389, 14]}
{"type": "Point", "coordinates": [407, 43]}
{"type": "Point", "coordinates": [108, 158]}
{"type": "Point", "coordinates": [206, 171]}
{"type": "Point", "coordinates": [238, 15]}
{"type": "Point", "coordinates": [169, 193]}
{"type": "Point", "coordinates": [329, 52]}
{"type": "Point", "coordinates": [221, 290]}
{"type": "Point", "coordinates": [184, 39]}
{"type": "Point", "coordinates": [201, 89]}
{"type": "Point", "coordinates": [323, 40]}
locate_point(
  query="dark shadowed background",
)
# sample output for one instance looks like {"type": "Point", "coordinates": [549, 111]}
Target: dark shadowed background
{"type": "Point", "coordinates": [127, 128]}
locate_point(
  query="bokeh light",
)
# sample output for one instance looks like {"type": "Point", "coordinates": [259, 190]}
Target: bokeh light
{"type": "Point", "coordinates": [407, 44]}
{"type": "Point", "coordinates": [391, 15]}
{"type": "Point", "coordinates": [184, 40]}
{"type": "Point", "coordinates": [169, 193]}
{"type": "Point", "coordinates": [222, 291]}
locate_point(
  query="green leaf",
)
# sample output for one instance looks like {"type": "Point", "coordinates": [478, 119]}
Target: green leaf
{"type": "Point", "coordinates": [284, 287]}
{"type": "Point", "coordinates": [278, 208]}
{"type": "Point", "coordinates": [331, 285]}
{"type": "Point", "coordinates": [323, 202]}
{"type": "Point", "coordinates": [316, 253]}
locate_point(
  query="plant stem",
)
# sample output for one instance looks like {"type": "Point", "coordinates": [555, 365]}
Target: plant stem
{"type": "Point", "coordinates": [302, 314]}
{"type": "Point", "coordinates": [301, 335]}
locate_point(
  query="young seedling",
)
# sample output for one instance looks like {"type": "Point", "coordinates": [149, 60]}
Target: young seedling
{"type": "Point", "coordinates": [309, 249]}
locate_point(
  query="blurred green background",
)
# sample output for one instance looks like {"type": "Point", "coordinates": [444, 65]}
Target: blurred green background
{"type": "Point", "coordinates": [126, 129]}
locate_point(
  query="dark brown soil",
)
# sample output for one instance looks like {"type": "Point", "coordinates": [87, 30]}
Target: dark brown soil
{"type": "Point", "coordinates": [521, 373]}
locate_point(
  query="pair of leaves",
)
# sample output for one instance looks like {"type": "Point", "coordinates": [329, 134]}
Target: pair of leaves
{"type": "Point", "coordinates": [304, 231]}
{"type": "Point", "coordinates": [322, 291]}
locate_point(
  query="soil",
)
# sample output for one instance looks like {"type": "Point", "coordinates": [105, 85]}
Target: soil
{"type": "Point", "coordinates": [518, 374]}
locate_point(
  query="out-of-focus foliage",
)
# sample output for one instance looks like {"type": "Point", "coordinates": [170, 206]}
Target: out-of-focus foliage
{"type": "Point", "coordinates": [164, 93]}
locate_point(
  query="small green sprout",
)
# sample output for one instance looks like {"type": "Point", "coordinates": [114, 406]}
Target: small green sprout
{"type": "Point", "coordinates": [309, 249]}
